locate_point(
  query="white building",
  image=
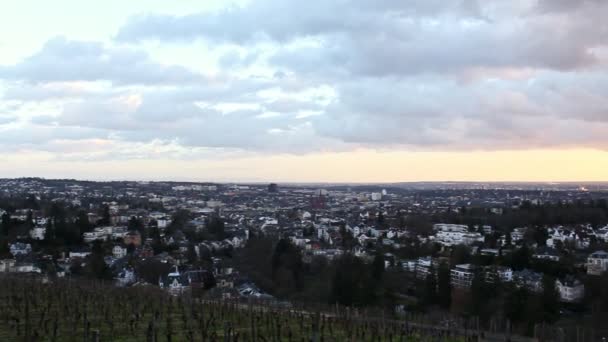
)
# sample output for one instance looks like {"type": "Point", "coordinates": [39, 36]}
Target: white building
{"type": "Point", "coordinates": [214, 204]}
{"type": "Point", "coordinates": [461, 276]}
{"type": "Point", "coordinates": [529, 279]}
{"type": "Point", "coordinates": [93, 236]}
{"type": "Point", "coordinates": [559, 234]}
{"type": "Point", "coordinates": [125, 277]}
{"type": "Point", "coordinates": [7, 265]}
{"type": "Point", "coordinates": [455, 234]}
{"type": "Point", "coordinates": [447, 227]}
{"type": "Point", "coordinates": [504, 274]}
{"type": "Point", "coordinates": [546, 253]}
{"type": "Point", "coordinates": [119, 251]}
{"type": "Point", "coordinates": [19, 248]}
{"type": "Point", "coordinates": [597, 263]}
{"type": "Point", "coordinates": [518, 234]}
{"type": "Point", "coordinates": [376, 196]}
{"type": "Point", "coordinates": [104, 234]}
{"type": "Point", "coordinates": [487, 229]}
{"type": "Point", "coordinates": [423, 267]}
{"type": "Point", "coordinates": [602, 233]}
{"type": "Point", "coordinates": [79, 254]}
{"type": "Point", "coordinates": [163, 222]}
{"type": "Point", "coordinates": [570, 290]}
{"type": "Point", "coordinates": [25, 267]}
{"type": "Point", "coordinates": [37, 233]}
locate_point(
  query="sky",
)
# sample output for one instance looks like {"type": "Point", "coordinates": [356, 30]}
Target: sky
{"type": "Point", "coordinates": [313, 91]}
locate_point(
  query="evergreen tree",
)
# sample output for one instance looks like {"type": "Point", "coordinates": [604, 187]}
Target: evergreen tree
{"type": "Point", "coordinates": [477, 294]}
{"type": "Point", "coordinates": [49, 235]}
{"type": "Point", "coordinates": [135, 224]}
{"type": "Point", "coordinates": [191, 254]}
{"type": "Point", "coordinates": [31, 203]}
{"type": "Point", "coordinates": [378, 267]}
{"type": "Point", "coordinates": [430, 287]}
{"type": "Point", "coordinates": [29, 220]}
{"type": "Point", "coordinates": [6, 224]}
{"type": "Point", "coordinates": [106, 218]}
{"type": "Point", "coordinates": [520, 258]}
{"type": "Point", "coordinates": [350, 286]}
{"type": "Point", "coordinates": [131, 249]}
{"type": "Point", "coordinates": [97, 266]}
{"type": "Point", "coordinates": [444, 288]}
{"type": "Point", "coordinates": [287, 267]}
{"type": "Point", "coordinates": [515, 303]}
{"type": "Point", "coordinates": [215, 227]}
{"type": "Point", "coordinates": [4, 248]}
{"type": "Point", "coordinates": [380, 221]}
{"type": "Point", "coordinates": [82, 222]}
{"type": "Point", "coordinates": [550, 299]}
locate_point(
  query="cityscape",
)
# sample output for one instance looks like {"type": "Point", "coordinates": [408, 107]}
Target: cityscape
{"type": "Point", "coordinates": [524, 253]}
{"type": "Point", "coordinates": [304, 171]}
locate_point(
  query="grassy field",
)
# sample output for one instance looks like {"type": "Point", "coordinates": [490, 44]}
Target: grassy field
{"type": "Point", "coordinates": [83, 311]}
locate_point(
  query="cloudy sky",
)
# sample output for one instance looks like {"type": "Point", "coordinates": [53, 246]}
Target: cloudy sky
{"type": "Point", "coordinates": [316, 90]}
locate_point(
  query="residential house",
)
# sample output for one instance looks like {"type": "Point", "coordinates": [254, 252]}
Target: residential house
{"type": "Point", "coordinates": [409, 265]}
{"type": "Point", "coordinates": [133, 238]}
{"type": "Point", "coordinates": [561, 235]}
{"type": "Point", "coordinates": [125, 277]}
{"type": "Point", "coordinates": [20, 248]}
{"type": "Point", "coordinates": [597, 263]}
{"type": "Point", "coordinates": [571, 290]}
{"type": "Point", "coordinates": [177, 282]}
{"type": "Point", "coordinates": [531, 280]}
{"type": "Point", "coordinates": [80, 253]}
{"type": "Point", "coordinates": [119, 233]}
{"type": "Point", "coordinates": [119, 251]}
{"type": "Point", "coordinates": [99, 233]}
{"type": "Point", "coordinates": [546, 253]}
{"type": "Point", "coordinates": [163, 222]}
{"type": "Point", "coordinates": [503, 273]}
{"type": "Point", "coordinates": [37, 233]}
{"type": "Point", "coordinates": [25, 267]}
{"type": "Point", "coordinates": [225, 282]}
{"type": "Point", "coordinates": [518, 234]}
{"type": "Point", "coordinates": [7, 265]}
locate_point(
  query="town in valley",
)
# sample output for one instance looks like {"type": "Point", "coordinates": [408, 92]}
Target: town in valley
{"type": "Point", "coordinates": [521, 252]}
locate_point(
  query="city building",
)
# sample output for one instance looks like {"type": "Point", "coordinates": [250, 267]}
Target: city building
{"type": "Point", "coordinates": [461, 276]}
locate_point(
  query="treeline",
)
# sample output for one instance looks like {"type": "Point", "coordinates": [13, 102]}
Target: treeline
{"type": "Point", "coordinates": [278, 268]}
{"type": "Point", "coordinates": [594, 212]}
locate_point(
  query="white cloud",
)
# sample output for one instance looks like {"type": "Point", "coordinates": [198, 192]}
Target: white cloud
{"type": "Point", "coordinates": [302, 77]}
{"type": "Point", "coordinates": [64, 60]}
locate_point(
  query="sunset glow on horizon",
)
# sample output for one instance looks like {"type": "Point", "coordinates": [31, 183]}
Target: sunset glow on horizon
{"type": "Point", "coordinates": [363, 166]}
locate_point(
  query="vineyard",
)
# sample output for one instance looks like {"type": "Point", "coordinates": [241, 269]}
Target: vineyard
{"type": "Point", "coordinates": [82, 311]}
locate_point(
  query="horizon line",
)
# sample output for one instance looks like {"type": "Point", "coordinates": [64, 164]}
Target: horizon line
{"type": "Point", "coordinates": [99, 180]}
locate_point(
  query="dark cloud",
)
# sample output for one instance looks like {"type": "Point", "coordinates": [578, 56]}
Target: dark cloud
{"type": "Point", "coordinates": [549, 6]}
